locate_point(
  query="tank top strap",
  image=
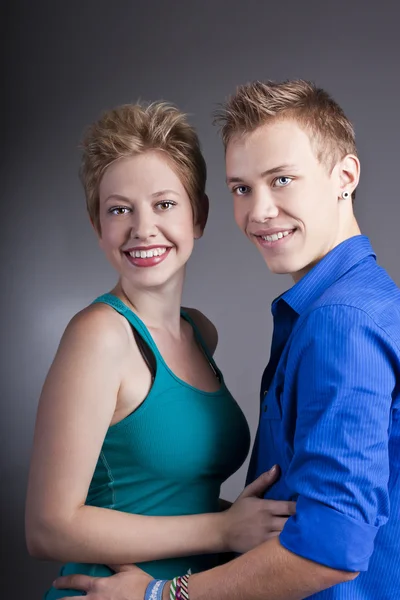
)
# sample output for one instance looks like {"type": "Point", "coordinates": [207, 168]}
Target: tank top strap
{"type": "Point", "coordinates": [201, 341]}
{"type": "Point", "coordinates": [133, 319]}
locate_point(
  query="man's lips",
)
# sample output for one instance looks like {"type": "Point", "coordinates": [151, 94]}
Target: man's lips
{"type": "Point", "coordinates": [271, 231]}
{"type": "Point", "coordinates": [274, 240]}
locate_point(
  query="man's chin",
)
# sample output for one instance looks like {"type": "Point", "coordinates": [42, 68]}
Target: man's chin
{"type": "Point", "coordinates": [280, 268]}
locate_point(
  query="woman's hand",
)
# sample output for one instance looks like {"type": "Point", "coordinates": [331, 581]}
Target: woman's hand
{"type": "Point", "coordinates": [129, 583]}
{"type": "Point", "coordinates": [252, 520]}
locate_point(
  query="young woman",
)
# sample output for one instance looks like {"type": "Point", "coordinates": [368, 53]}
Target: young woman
{"type": "Point", "coordinates": [136, 429]}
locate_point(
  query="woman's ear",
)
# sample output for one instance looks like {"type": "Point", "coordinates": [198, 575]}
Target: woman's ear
{"type": "Point", "coordinates": [202, 218]}
{"type": "Point", "coordinates": [96, 230]}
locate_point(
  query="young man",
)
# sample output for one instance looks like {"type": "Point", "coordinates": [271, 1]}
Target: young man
{"type": "Point", "coordinates": [330, 394]}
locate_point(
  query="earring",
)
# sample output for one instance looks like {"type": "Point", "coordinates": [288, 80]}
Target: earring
{"type": "Point", "coordinates": [345, 195]}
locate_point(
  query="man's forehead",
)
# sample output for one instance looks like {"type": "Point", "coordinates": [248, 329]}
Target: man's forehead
{"type": "Point", "coordinates": [285, 131]}
{"type": "Point", "coordinates": [279, 168]}
{"type": "Point", "coordinates": [272, 148]}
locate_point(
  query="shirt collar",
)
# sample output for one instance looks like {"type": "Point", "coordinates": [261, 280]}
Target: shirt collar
{"type": "Point", "coordinates": [335, 264]}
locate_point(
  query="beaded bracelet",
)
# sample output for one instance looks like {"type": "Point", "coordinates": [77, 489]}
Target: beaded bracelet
{"type": "Point", "coordinates": [154, 589]}
{"type": "Point", "coordinates": [179, 588]}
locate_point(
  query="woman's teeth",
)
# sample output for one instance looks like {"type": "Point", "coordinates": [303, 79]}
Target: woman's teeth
{"type": "Point", "coordinates": [147, 253]}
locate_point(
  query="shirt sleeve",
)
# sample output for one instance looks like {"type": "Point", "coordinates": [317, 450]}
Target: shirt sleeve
{"type": "Point", "coordinates": [341, 366]}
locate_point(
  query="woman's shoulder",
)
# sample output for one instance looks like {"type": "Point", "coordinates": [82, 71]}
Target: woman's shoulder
{"type": "Point", "coordinates": [99, 327]}
{"type": "Point", "coordinates": [207, 329]}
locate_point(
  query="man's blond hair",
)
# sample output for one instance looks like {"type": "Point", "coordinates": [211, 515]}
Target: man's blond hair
{"type": "Point", "coordinates": [133, 129]}
{"type": "Point", "coordinates": [255, 104]}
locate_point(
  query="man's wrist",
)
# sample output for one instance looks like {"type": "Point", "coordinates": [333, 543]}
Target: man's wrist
{"type": "Point", "coordinates": [165, 595]}
{"type": "Point", "coordinates": [177, 588]}
{"type": "Point", "coordinates": [154, 589]}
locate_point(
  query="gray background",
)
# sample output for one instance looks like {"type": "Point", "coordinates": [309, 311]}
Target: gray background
{"type": "Point", "coordinates": [65, 63]}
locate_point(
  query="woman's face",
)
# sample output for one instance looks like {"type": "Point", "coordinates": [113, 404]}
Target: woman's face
{"type": "Point", "coordinates": [146, 220]}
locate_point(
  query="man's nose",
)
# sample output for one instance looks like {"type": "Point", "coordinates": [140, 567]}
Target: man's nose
{"type": "Point", "coordinates": [263, 207]}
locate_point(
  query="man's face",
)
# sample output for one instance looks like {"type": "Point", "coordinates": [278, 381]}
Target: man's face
{"type": "Point", "coordinates": [285, 200]}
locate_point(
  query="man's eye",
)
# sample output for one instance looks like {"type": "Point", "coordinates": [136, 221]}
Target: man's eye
{"type": "Point", "coordinates": [119, 210]}
{"type": "Point", "coordinates": [282, 181]}
{"type": "Point", "coordinates": [241, 190]}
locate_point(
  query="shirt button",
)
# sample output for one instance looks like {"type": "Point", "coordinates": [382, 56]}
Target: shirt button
{"type": "Point", "coordinates": [265, 407]}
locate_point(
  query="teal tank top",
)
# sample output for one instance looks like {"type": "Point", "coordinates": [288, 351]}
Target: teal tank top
{"type": "Point", "coordinates": [169, 457]}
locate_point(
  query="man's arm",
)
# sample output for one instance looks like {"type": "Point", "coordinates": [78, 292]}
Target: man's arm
{"type": "Point", "coordinates": [267, 572]}
{"type": "Point", "coordinates": [343, 370]}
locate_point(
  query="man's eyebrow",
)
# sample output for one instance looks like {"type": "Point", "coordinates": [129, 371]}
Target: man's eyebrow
{"type": "Point", "coordinates": [277, 169]}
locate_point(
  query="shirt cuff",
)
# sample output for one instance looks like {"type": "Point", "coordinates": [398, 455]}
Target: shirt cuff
{"type": "Point", "coordinates": [326, 536]}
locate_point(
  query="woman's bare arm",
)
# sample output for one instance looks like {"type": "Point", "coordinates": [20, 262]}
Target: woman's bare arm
{"type": "Point", "coordinates": [75, 410]}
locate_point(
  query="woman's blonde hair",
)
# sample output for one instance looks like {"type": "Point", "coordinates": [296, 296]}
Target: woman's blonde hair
{"type": "Point", "coordinates": [133, 129]}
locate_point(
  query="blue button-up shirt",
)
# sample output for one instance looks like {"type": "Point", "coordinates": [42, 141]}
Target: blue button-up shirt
{"type": "Point", "coordinates": [330, 399]}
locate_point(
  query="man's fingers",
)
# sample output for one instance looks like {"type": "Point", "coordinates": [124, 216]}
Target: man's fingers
{"type": "Point", "coordinates": [73, 582]}
{"type": "Point", "coordinates": [264, 481]}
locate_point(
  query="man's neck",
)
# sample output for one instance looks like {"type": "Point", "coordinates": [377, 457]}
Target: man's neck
{"type": "Point", "coordinates": [352, 230]}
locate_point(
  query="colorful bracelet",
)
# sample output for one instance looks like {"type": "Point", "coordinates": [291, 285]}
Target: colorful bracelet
{"type": "Point", "coordinates": [179, 588]}
{"type": "Point", "coordinates": [154, 589]}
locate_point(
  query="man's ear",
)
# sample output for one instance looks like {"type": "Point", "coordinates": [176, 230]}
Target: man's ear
{"type": "Point", "coordinates": [202, 218]}
{"type": "Point", "coordinates": [349, 173]}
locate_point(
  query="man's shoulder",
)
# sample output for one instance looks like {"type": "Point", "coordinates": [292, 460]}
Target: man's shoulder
{"type": "Point", "coordinates": [370, 291]}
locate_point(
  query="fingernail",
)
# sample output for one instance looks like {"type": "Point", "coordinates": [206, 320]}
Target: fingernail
{"type": "Point", "coordinates": [273, 469]}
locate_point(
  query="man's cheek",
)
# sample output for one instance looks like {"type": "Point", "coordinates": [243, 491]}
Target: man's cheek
{"type": "Point", "coordinates": [239, 218]}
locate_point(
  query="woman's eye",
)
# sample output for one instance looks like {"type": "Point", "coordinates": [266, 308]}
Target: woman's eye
{"type": "Point", "coordinates": [282, 181]}
{"type": "Point", "coordinates": [119, 210]}
{"type": "Point", "coordinates": [241, 190]}
{"type": "Point", "coordinates": [165, 205]}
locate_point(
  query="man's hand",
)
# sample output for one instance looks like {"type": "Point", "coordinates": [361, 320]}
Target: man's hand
{"type": "Point", "coordinates": [129, 583]}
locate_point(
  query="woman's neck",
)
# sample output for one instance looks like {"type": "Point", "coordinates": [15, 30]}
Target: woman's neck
{"type": "Point", "coordinates": [159, 308]}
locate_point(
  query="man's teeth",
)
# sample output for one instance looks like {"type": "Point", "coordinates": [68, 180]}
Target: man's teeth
{"type": "Point", "coordinates": [147, 253]}
{"type": "Point", "coordinates": [275, 236]}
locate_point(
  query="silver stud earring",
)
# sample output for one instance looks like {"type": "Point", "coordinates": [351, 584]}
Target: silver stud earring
{"type": "Point", "coordinates": [345, 195]}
